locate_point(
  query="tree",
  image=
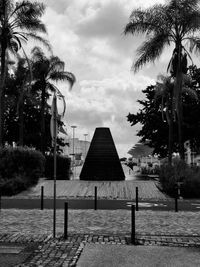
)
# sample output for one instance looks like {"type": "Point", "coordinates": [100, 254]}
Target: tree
{"type": "Point", "coordinates": [19, 21]}
{"type": "Point", "coordinates": [45, 72]}
{"type": "Point", "coordinates": [175, 22]}
{"type": "Point", "coordinates": [21, 88]}
{"type": "Point", "coordinates": [164, 89]}
{"type": "Point", "coordinates": [153, 114]}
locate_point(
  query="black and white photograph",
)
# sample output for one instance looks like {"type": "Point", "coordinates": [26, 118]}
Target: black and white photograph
{"type": "Point", "coordinates": [99, 133]}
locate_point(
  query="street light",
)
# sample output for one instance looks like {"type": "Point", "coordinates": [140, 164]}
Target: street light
{"type": "Point", "coordinates": [73, 163]}
{"type": "Point", "coordinates": [85, 143]}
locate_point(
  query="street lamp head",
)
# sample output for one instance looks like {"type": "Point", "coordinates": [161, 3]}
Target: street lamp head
{"type": "Point", "coordinates": [73, 126]}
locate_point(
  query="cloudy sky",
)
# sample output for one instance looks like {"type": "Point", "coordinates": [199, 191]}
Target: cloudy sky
{"type": "Point", "coordinates": [88, 36]}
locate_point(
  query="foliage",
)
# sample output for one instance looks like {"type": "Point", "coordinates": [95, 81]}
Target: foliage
{"type": "Point", "coordinates": [175, 22]}
{"type": "Point", "coordinates": [20, 168]}
{"type": "Point", "coordinates": [179, 171]}
{"type": "Point", "coordinates": [19, 22]}
{"type": "Point", "coordinates": [154, 130]}
{"type": "Point", "coordinates": [150, 170]}
{"type": "Point", "coordinates": [63, 167]}
{"type": "Point", "coordinates": [31, 116]}
{"type": "Point", "coordinates": [45, 72]}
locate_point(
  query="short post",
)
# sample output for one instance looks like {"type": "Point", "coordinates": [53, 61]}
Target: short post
{"type": "Point", "coordinates": [66, 221]}
{"type": "Point", "coordinates": [95, 197]}
{"type": "Point", "coordinates": [42, 198]}
{"type": "Point", "coordinates": [136, 198]}
{"type": "Point", "coordinates": [133, 224]}
{"type": "Point", "coordinates": [176, 204]}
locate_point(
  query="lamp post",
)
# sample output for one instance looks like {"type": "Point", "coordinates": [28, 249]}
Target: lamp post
{"type": "Point", "coordinates": [73, 162]}
{"type": "Point", "coordinates": [85, 144]}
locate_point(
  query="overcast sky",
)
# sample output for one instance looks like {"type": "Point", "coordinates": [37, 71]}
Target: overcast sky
{"type": "Point", "coordinates": [88, 36]}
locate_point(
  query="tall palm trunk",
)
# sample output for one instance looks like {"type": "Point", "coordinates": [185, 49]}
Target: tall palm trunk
{"type": "Point", "coordinates": [169, 114]}
{"type": "Point", "coordinates": [43, 117]}
{"type": "Point", "coordinates": [179, 108]}
{"type": "Point", "coordinates": [21, 121]}
{"type": "Point", "coordinates": [2, 89]}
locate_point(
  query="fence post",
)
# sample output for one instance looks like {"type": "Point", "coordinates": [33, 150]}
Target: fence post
{"type": "Point", "coordinates": [176, 204]}
{"type": "Point", "coordinates": [133, 224]}
{"type": "Point", "coordinates": [95, 197]}
{"type": "Point", "coordinates": [42, 198]}
{"type": "Point", "coordinates": [136, 198]}
{"type": "Point", "coordinates": [66, 221]}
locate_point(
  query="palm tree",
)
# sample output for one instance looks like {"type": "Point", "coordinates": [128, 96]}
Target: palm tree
{"type": "Point", "coordinates": [164, 90]}
{"type": "Point", "coordinates": [22, 79]}
{"type": "Point", "coordinates": [19, 21]}
{"type": "Point", "coordinates": [175, 23]}
{"type": "Point", "coordinates": [45, 71]}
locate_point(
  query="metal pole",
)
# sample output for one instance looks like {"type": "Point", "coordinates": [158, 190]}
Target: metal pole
{"type": "Point", "coordinates": [133, 224]}
{"type": "Point", "coordinates": [42, 198]}
{"type": "Point", "coordinates": [176, 204]}
{"type": "Point", "coordinates": [0, 201]}
{"type": "Point", "coordinates": [66, 221]}
{"type": "Point", "coordinates": [95, 197]}
{"type": "Point", "coordinates": [136, 198]}
{"type": "Point", "coordinates": [54, 154]}
{"type": "Point", "coordinates": [73, 128]}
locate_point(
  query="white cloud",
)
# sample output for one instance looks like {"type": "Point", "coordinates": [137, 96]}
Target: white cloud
{"type": "Point", "coordinates": [87, 35]}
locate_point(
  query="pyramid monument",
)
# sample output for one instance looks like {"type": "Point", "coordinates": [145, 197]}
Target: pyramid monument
{"type": "Point", "coordinates": [102, 161]}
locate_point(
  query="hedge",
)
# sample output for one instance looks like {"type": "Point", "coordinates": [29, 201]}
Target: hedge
{"type": "Point", "coordinates": [20, 168]}
{"type": "Point", "coordinates": [180, 172]}
{"type": "Point", "coordinates": [63, 164]}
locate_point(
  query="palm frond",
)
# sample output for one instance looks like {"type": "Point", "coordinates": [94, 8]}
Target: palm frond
{"type": "Point", "coordinates": [150, 50]}
{"type": "Point", "coordinates": [194, 43]}
{"type": "Point", "coordinates": [40, 39]}
{"type": "Point", "coordinates": [63, 76]}
{"type": "Point", "coordinates": [146, 21]}
{"type": "Point", "coordinates": [28, 9]}
{"type": "Point", "coordinates": [56, 64]}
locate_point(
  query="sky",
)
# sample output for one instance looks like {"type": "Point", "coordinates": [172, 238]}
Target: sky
{"type": "Point", "coordinates": [88, 36]}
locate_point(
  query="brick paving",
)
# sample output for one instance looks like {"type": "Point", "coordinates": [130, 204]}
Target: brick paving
{"type": "Point", "coordinates": [59, 252]}
{"type": "Point", "coordinates": [88, 226]}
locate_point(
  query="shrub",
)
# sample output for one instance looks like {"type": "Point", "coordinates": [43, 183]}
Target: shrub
{"type": "Point", "coordinates": [63, 167]}
{"type": "Point", "coordinates": [179, 171]}
{"type": "Point", "coordinates": [20, 168]}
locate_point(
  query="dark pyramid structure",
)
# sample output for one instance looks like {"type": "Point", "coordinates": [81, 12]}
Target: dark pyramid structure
{"type": "Point", "coordinates": [102, 161]}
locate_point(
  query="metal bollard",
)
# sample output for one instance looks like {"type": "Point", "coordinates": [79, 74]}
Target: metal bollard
{"type": "Point", "coordinates": [95, 197]}
{"type": "Point", "coordinates": [133, 224]}
{"type": "Point", "coordinates": [176, 204]}
{"type": "Point", "coordinates": [42, 198]}
{"type": "Point", "coordinates": [136, 198]}
{"type": "Point", "coordinates": [66, 221]}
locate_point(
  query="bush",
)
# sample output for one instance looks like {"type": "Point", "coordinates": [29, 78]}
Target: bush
{"type": "Point", "coordinates": [63, 167]}
{"type": "Point", "coordinates": [180, 172]}
{"type": "Point", "coordinates": [20, 168]}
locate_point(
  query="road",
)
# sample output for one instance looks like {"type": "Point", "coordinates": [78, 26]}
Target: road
{"type": "Point", "coordinates": [169, 205]}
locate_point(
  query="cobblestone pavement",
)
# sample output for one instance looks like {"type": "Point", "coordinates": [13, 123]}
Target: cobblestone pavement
{"type": "Point", "coordinates": [106, 190]}
{"type": "Point", "coordinates": [60, 252]}
{"type": "Point", "coordinates": [100, 221]}
{"type": "Point", "coordinates": [101, 226]}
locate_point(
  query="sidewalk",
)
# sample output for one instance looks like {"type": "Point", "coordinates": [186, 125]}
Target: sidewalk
{"type": "Point", "coordinates": [94, 227]}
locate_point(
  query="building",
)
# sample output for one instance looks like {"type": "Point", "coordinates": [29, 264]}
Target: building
{"type": "Point", "coordinates": [77, 147]}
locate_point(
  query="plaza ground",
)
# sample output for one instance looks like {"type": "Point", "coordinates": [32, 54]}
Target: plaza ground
{"type": "Point", "coordinates": [100, 231]}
